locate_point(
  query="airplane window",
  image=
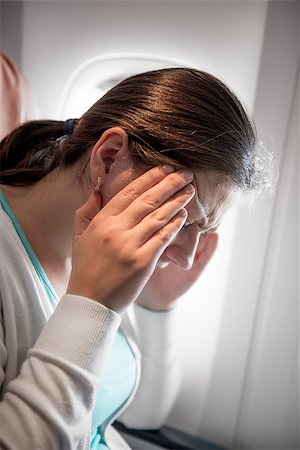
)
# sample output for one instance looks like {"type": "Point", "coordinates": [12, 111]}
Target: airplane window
{"type": "Point", "coordinates": [93, 78]}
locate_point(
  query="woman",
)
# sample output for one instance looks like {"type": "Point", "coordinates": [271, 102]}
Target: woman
{"type": "Point", "coordinates": [117, 207]}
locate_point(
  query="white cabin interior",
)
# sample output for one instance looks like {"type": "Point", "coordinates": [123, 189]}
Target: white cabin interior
{"type": "Point", "coordinates": [239, 331]}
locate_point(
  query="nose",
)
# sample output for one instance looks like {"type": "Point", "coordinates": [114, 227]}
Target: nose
{"type": "Point", "coordinates": [183, 249]}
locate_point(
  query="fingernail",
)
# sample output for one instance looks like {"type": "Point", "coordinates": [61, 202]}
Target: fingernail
{"type": "Point", "coordinates": [186, 174]}
{"type": "Point", "coordinates": [167, 169]}
{"type": "Point", "coordinates": [189, 189]}
{"type": "Point", "coordinates": [182, 213]}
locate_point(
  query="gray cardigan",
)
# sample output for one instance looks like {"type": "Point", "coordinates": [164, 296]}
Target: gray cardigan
{"type": "Point", "coordinates": [44, 350]}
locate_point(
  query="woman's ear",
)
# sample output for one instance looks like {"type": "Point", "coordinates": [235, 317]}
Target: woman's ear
{"type": "Point", "coordinates": [108, 150]}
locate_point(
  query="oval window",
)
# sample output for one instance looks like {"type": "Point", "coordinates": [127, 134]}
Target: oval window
{"type": "Point", "coordinates": [92, 79]}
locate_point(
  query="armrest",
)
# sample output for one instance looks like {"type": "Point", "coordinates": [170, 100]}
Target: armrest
{"type": "Point", "coordinates": [168, 438]}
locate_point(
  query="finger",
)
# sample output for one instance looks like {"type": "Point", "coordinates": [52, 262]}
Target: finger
{"type": "Point", "coordinates": [85, 214]}
{"type": "Point", "coordinates": [134, 189]}
{"type": "Point", "coordinates": [155, 197]}
{"type": "Point", "coordinates": [161, 216]}
{"type": "Point", "coordinates": [155, 246]}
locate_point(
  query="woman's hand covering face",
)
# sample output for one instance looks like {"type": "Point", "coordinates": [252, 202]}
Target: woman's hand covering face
{"type": "Point", "coordinates": [116, 248]}
{"type": "Point", "coordinates": [184, 260]}
{"type": "Point", "coordinates": [168, 284]}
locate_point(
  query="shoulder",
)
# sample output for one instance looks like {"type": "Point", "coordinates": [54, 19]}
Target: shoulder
{"type": "Point", "coordinates": [20, 287]}
{"type": "Point", "coordinates": [12, 253]}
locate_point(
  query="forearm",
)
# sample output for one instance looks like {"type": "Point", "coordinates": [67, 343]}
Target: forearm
{"type": "Point", "coordinates": [49, 404]}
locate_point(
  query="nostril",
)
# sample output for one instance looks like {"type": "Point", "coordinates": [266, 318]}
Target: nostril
{"type": "Point", "coordinates": [188, 264]}
{"type": "Point", "coordinates": [178, 257]}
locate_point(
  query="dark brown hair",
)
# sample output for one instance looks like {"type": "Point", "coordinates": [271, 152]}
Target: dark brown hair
{"type": "Point", "coordinates": [178, 116]}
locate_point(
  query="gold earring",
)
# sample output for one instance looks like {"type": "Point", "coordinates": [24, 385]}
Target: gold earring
{"type": "Point", "coordinates": [98, 184]}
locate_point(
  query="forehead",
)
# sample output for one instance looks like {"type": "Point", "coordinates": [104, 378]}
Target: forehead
{"type": "Point", "coordinates": [214, 194]}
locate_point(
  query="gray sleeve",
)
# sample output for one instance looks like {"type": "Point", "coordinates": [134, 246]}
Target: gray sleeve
{"type": "Point", "coordinates": [49, 405]}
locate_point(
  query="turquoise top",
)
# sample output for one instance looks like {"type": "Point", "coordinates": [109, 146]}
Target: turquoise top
{"type": "Point", "coordinates": [117, 383]}
{"type": "Point", "coordinates": [119, 375]}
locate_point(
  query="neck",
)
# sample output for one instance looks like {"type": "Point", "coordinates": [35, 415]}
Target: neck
{"type": "Point", "coordinates": [45, 211]}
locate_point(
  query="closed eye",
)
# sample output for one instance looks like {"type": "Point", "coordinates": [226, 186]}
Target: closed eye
{"type": "Point", "coordinates": [203, 230]}
{"type": "Point", "coordinates": [187, 223]}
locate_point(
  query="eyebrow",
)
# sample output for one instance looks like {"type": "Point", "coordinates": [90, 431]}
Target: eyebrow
{"type": "Point", "coordinates": [207, 220]}
{"type": "Point", "coordinates": [203, 212]}
{"type": "Point", "coordinates": [201, 207]}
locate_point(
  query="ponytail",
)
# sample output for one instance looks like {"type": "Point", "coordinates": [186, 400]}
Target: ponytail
{"type": "Point", "coordinates": [30, 152]}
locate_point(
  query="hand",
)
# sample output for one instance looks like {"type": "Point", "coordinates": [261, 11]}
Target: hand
{"type": "Point", "coordinates": [116, 248]}
{"type": "Point", "coordinates": [166, 285]}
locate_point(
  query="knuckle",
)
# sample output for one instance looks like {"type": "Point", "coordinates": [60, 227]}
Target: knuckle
{"type": "Point", "coordinates": [164, 235]}
{"type": "Point", "coordinates": [155, 175]}
{"type": "Point", "coordinates": [111, 231]}
{"type": "Point", "coordinates": [139, 265]}
{"type": "Point", "coordinates": [105, 232]}
{"type": "Point", "coordinates": [130, 260]}
{"type": "Point", "coordinates": [107, 239]}
{"type": "Point", "coordinates": [157, 216]}
{"type": "Point", "coordinates": [151, 200]}
{"type": "Point", "coordinates": [126, 259]}
{"type": "Point", "coordinates": [175, 181]}
{"type": "Point", "coordinates": [131, 192]}
{"type": "Point", "coordinates": [180, 200]}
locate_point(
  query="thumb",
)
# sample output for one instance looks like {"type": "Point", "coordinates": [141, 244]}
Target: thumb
{"type": "Point", "coordinates": [85, 214]}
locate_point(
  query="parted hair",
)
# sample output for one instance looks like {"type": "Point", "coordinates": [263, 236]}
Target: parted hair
{"type": "Point", "coordinates": [179, 116]}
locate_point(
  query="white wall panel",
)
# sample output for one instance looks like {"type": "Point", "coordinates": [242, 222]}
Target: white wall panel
{"type": "Point", "coordinates": [268, 417]}
{"type": "Point", "coordinates": [221, 37]}
{"type": "Point", "coordinates": [227, 395]}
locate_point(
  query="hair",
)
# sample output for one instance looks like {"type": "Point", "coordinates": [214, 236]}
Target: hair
{"type": "Point", "coordinates": [178, 116]}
